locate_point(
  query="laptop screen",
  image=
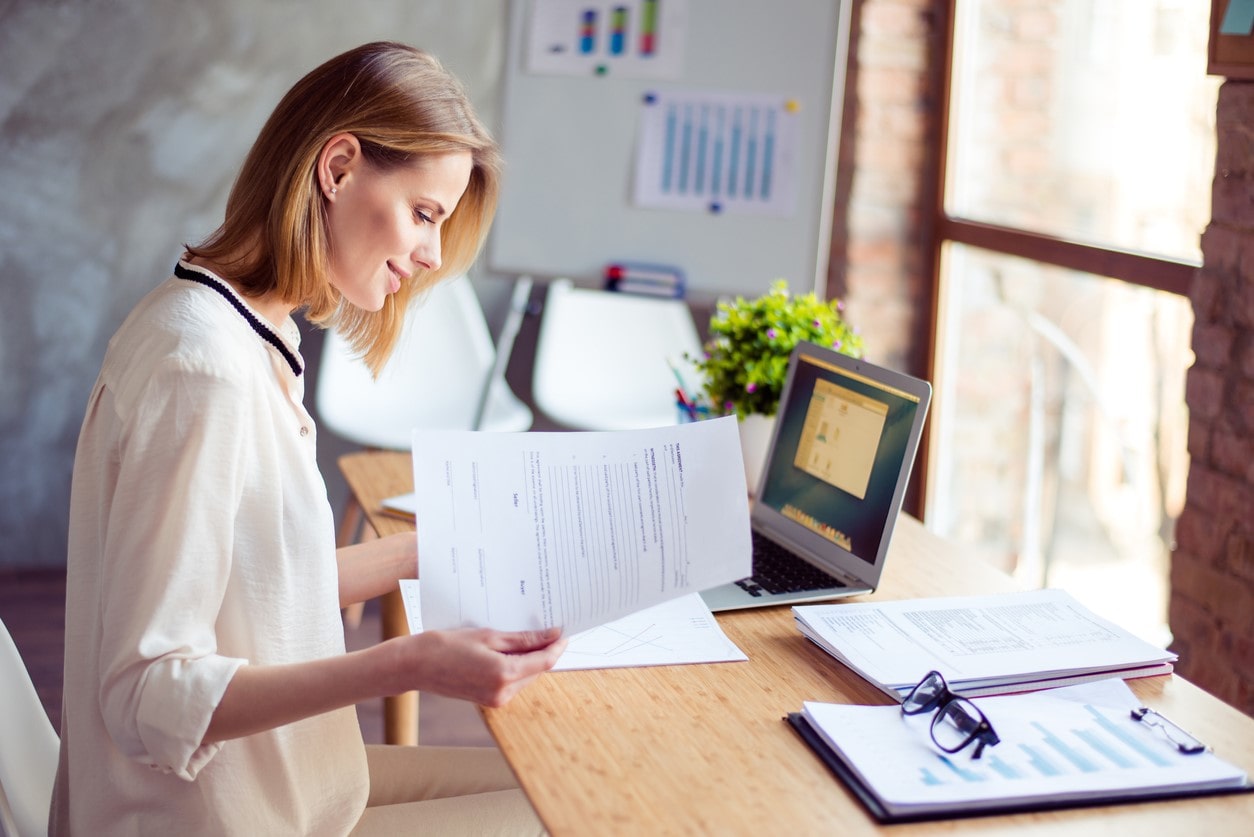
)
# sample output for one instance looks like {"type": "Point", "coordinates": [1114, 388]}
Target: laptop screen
{"type": "Point", "coordinates": [845, 440]}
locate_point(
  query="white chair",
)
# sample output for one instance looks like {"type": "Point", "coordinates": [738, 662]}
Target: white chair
{"type": "Point", "coordinates": [445, 374]}
{"type": "Point", "coordinates": [604, 359]}
{"type": "Point", "coordinates": [28, 748]}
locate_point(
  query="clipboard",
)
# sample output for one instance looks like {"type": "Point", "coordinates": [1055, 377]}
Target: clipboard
{"type": "Point", "coordinates": [886, 815]}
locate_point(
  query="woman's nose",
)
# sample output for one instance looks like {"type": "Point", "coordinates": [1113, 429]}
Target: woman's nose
{"type": "Point", "coordinates": [427, 253]}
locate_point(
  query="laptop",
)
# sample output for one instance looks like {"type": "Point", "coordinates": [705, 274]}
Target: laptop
{"type": "Point", "coordinates": [831, 487]}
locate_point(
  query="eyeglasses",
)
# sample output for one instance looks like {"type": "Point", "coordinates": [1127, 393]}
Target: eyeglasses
{"type": "Point", "coordinates": [958, 721]}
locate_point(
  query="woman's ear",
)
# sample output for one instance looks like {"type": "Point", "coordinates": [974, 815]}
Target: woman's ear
{"type": "Point", "coordinates": [340, 156]}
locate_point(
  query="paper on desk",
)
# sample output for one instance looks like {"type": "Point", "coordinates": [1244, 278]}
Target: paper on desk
{"type": "Point", "coordinates": [975, 641]}
{"type": "Point", "coordinates": [678, 632]}
{"type": "Point", "coordinates": [528, 530]}
{"type": "Point", "coordinates": [1075, 743]}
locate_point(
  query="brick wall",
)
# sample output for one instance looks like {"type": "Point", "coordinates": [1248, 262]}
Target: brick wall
{"type": "Point", "coordinates": [880, 261]}
{"type": "Point", "coordinates": [1212, 574]}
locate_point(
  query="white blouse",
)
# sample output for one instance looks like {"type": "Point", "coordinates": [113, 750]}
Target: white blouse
{"type": "Point", "coordinates": [201, 540]}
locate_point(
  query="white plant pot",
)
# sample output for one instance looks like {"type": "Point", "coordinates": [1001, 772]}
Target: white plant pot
{"type": "Point", "coordinates": [755, 437]}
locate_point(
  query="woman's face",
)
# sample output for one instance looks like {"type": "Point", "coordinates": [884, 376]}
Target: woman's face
{"type": "Point", "coordinates": [385, 225]}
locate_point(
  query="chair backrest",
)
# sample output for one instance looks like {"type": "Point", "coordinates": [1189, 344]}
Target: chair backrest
{"type": "Point", "coordinates": [608, 361]}
{"type": "Point", "coordinates": [28, 748]}
{"type": "Point", "coordinates": [436, 378]}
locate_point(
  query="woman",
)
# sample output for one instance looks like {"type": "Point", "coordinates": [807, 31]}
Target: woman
{"type": "Point", "coordinates": [207, 688]}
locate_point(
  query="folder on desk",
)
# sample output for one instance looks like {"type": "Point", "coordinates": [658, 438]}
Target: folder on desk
{"type": "Point", "coordinates": [1059, 748]}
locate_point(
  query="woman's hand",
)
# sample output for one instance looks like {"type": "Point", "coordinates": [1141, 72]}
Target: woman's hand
{"type": "Point", "coordinates": [477, 664]}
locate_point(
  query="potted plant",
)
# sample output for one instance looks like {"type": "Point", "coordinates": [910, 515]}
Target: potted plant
{"type": "Point", "coordinates": [746, 357]}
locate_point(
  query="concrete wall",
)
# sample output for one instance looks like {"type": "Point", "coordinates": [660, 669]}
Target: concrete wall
{"type": "Point", "coordinates": [122, 125]}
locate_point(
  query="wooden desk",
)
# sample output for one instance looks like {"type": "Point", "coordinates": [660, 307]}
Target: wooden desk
{"type": "Point", "coordinates": [704, 749]}
{"type": "Point", "coordinates": [374, 476]}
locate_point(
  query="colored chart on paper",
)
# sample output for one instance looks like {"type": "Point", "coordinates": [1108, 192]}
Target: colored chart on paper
{"type": "Point", "coordinates": [620, 38]}
{"type": "Point", "coordinates": [717, 152]}
{"type": "Point", "coordinates": [1101, 746]}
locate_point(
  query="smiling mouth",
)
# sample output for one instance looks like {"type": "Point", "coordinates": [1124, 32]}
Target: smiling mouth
{"type": "Point", "coordinates": [397, 278]}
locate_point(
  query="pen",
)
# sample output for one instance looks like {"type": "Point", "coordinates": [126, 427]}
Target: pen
{"type": "Point", "coordinates": [686, 403]}
{"type": "Point", "coordinates": [1183, 741]}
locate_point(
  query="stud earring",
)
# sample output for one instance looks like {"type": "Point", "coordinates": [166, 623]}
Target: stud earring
{"type": "Point", "coordinates": [334, 190]}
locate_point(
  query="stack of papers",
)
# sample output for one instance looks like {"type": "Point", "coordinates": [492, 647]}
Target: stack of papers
{"type": "Point", "coordinates": [982, 645]}
{"type": "Point", "coordinates": [1059, 747]}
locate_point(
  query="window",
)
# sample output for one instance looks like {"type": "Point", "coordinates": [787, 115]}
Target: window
{"type": "Point", "coordinates": [1076, 184]}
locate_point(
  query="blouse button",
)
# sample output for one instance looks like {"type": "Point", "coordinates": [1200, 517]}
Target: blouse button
{"type": "Point", "coordinates": [304, 431]}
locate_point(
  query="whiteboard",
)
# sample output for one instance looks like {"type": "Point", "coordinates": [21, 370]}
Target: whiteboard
{"type": "Point", "coordinates": [570, 142]}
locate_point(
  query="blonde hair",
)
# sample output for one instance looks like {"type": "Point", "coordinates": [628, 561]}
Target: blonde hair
{"type": "Point", "coordinates": [401, 104]}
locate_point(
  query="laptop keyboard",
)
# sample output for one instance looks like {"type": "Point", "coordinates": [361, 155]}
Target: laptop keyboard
{"type": "Point", "coordinates": [776, 570]}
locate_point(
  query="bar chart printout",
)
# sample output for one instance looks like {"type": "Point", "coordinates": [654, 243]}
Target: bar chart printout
{"type": "Point", "coordinates": [617, 39]}
{"type": "Point", "coordinates": [1077, 743]}
{"type": "Point", "coordinates": [717, 152]}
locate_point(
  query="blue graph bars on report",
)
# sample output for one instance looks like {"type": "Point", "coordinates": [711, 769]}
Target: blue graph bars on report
{"type": "Point", "coordinates": [717, 152]}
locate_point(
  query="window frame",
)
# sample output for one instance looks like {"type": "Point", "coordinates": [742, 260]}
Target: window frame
{"type": "Point", "coordinates": [1158, 272]}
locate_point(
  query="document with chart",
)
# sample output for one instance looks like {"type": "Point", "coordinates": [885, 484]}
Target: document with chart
{"type": "Point", "coordinates": [1059, 747]}
{"type": "Point", "coordinates": [528, 530]}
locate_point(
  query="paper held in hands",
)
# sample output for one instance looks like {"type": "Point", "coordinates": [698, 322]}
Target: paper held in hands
{"type": "Point", "coordinates": [681, 631]}
{"type": "Point", "coordinates": [519, 531]}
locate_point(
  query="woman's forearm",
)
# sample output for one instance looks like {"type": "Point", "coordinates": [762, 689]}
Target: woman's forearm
{"type": "Point", "coordinates": [373, 568]}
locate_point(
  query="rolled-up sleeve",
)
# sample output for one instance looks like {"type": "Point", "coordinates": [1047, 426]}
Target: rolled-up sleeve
{"type": "Point", "coordinates": [167, 561]}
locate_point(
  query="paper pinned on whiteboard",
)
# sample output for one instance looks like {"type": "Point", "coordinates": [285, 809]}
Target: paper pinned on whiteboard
{"type": "Point", "coordinates": [619, 39]}
{"type": "Point", "coordinates": [718, 152]}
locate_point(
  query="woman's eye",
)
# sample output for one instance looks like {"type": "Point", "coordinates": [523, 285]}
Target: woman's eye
{"type": "Point", "coordinates": [422, 216]}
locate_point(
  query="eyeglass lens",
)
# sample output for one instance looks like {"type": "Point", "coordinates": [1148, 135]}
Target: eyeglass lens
{"type": "Point", "coordinates": [927, 695]}
{"type": "Point", "coordinates": [956, 724]}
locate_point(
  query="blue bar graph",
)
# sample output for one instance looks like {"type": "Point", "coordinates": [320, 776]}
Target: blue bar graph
{"type": "Point", "coordinates": [685, 149]}
{"type": "Point", "coordinates": [1099, 744]}
{"type": "Point", "coordinates": [618, 30]}
{"type": "Point", "coordinates": [1003, 769]}
{"type": "Point", "coordinates": [1043, 765]}
{"type": "Point", "coordinates": [668, 157]}
{"type": "Point", "coordinates": [717, 151]}
{"type": "Point", "coordinates": [961, 772]}
{"type": "Point", "coordinates": [1054, 752]}
{"type": "Point", "coordinates": [768, 154]}
{"type": "Point", "coordinates": [588, 32]}
{"type": "Point", "coordinates": [1069, 753]}
{"type": "Point", "coordinates": [716, 173]}
{"type": "Point", "coordinates": [703, 141]}
{"type": "Point", "coordinates": [1142, 747]}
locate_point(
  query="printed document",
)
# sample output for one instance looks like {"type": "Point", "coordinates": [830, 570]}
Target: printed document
{"type": "Point", "coordinates": [677, 632]}
{"type": "Point", "coordinates": [521, 531]}
{"type": "Point", "coordinates": [981, 644]}
{"type": "Point", "coordinates": [1058, 747]}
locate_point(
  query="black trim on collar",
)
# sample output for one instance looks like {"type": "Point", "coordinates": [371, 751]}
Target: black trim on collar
{"type": "Point", "coordinates": [262, 330]}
